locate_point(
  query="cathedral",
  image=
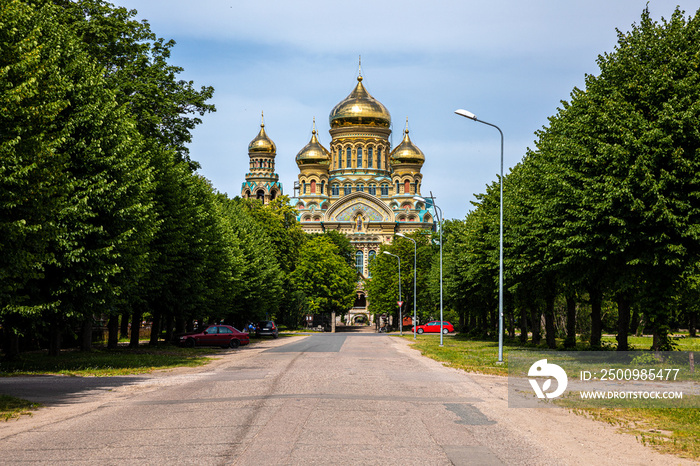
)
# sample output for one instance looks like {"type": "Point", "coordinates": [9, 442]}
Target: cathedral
{"type": "Point", "coordinates": [360, 186]}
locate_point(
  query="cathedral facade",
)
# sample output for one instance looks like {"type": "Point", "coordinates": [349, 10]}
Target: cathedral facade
{"type": "Point", "coordinates": [359, 186]}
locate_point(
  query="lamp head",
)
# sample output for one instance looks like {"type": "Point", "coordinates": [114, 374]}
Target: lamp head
{"type": "Point", "coordinates": [466, 114]}
{"type": "Point", "coordinates": [400, 234]}
{"type": "Point", "coordinates": [418, 198]}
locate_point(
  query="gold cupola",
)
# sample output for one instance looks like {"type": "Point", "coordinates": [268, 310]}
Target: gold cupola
{"type": "Point", "coordinates": [313, 152]}
{"type": "Point", "coordinates": [360, 108]}
{"type": "Point", "coordinates": [262, 144]}
{"type": "Point", "coordinates": [407, 152]}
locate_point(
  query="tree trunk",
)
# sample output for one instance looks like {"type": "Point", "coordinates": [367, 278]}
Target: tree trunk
{"type": "Point", "coordinates": [511, 322]}
{"type": "Point", "coordinates": [523, 325]}
{"type": "Point", "coordinates": [623, 322]}
{"type": "Point", "coordinates": [472, 322]}
{"type": "Point", "coordinates": [570, 341]}
{"type": "Point", "coordinates": [535, 320]}
{"type": "Point", "coordinates": [155, 329]}
{"type": "Point", "coordinates": [634, 322]}
{"type": "Point", "coordinates": [168, 327]}
{"type": "Point", "coordinates": [124, 328]}
{"type": "Point", "coordinates": [596, 297]}
{"type": "Point", "coordinates": [54, 337]}
{"type": "Point", "coordinates": [135, 329]}
{"type": "Point", "coordinates": [692, 324]}
{"type": "Point", "coordinates": [113, 331]}
{"type": "Point", "coordinates": [86, 334]}
{"type": "Point", "coordinates": [549, 322]}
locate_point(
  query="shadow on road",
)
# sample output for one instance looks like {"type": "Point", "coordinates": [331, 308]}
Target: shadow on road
{"type": "Point", "coordinates": [52, 390]}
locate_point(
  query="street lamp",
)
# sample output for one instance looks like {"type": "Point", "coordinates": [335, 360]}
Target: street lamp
{"type": "Point", "coordinates": [435, 209]}
{"type": "Point", "coordinates": [400, 314]}
{"type": "Point", "coordinates": [415, 254]}
{"type": "Point", "coordinates": [471, 116]}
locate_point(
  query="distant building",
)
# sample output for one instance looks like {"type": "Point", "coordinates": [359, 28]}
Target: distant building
{"type": "Point", "coordinates": [360, 187]}
{"type": "Point", "coordinates": [261, 181]}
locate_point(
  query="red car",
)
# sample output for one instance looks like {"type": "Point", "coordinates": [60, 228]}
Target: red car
{"type": "Point", "coordinates": [215, 335]}
{"type": "Point", "coordinates": [434, 327]}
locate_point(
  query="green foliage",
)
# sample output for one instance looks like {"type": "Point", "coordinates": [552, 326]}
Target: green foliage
{"type": "Point", "coordinates": [324, 277]}
{"type": "Point", "coordinates": [95, 227]}
{"type": "Point", "coordinates": [606, 207]}
{"type": "Point", "coordinates": [135, 63]}
{"type": "Point", "coordinates": [259, 289]}
{"type": "Point", "coordinates": [383, 287]}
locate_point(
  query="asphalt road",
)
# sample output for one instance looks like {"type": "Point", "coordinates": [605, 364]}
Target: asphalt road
{"type": "Point", "coordinates": [322, 399]}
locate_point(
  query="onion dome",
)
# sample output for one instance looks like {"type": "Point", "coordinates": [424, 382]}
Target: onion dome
{"type": "Point", "coordinates": [360, 108]}
{"type": "Point", "coordinates": [262, 143]}
{"type": "Point", "coordinates": [313, 152]}
{"type": "Point", "coordinates": [407, 152]}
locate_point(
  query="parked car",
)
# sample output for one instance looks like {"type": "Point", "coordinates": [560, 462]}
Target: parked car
{"type": "Point", "coordinates": [266, 328]}
{"type": "Point", "coordinates": [215, 335]}
{"type": "Point", "coordinates": [434, 327]}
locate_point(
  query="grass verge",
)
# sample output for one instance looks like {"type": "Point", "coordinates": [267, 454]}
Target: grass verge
{"type": "Point", "coordinates": [674, 431]}
{"type": "Point", "coordinates": [96, 363]}
{"type": "Point", "coordinates": [107, 362]}
{"type": "Point", "coordinates": [13, 408]}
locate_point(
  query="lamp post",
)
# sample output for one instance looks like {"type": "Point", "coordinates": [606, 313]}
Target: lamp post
{"type": "Point", "coordinates": [400, 314]}
{"type": "Point", "coordinates": [471, 116]}
{"type": "Point", "coordinates": [415, 254]}
{"type": "Point", "coordinates": [439, 217]}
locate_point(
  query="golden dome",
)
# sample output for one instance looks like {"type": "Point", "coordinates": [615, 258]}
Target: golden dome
{"type": "Point", "coordinates": [313, 152]}
{"type": "Point", "coordinates": [360, 108]}
{"type": "Point", "coordinates": [262, 143]}
{"type": "Point", "coordinates": [407, 152]}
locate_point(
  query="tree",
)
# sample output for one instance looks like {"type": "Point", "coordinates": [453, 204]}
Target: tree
{"type": "Point", "coordinates": [101, 222]}
{"type": "Point", "coordinates": [324, 277]}
{"type": "Point", "coordinates": [624, 152]}
{"type": "Point", "coordinates": [135, 63]}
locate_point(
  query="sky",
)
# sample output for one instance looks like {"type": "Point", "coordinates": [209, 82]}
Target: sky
{"type": "Point", "coordinates": [509, 62]}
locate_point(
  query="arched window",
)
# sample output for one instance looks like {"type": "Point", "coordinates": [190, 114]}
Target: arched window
{"type": "Point", "coordinates": [347, 189]}
{"type": "Point", "coordinates": [359, 157]}
{"type": "Point", "coordinates": [406, 187]}
{"type": "Point", "coordinates": [369, 157]}
{"type": "Point", "coordinates": [379, 157]}
{"type": "Point", "coordinates": [304, 187]}
{"type": "Point", "coordinates": [335, 190]}
{"type": "Point", "coordinates": [385, 189]}
{"type": "Point", "coordinates": [348, 157]}
{"type": "Point", "coordinates": [397, 187]}
{"type": "Point", "coordinates": [360, 188]}
{"type": "Point", "coordinates": [273, 194]}
{"type": "Point", "coordinates": [372, 188]}
{"type": "Point", "coordinates": [260, 195]}
{"type": "Point", "coordinates": [359, 261]}
{"type": "Point", "coordinates": [323, 185]}
{"type": "Point", "coordinates": [370, 258]}
{"type": "Point", "coordinates": [313, 186]}
{"type": "Point", "coordinates": [339, 160]}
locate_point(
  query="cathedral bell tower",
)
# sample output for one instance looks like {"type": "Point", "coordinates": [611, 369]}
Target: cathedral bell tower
{"type": "Point", "coordinates": [261, 181]}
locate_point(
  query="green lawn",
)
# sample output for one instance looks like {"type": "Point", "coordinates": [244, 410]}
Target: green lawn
{"type": "Point", "coordinates": [107, 362]}
{"type": "Point", "coordinates": [675, 431]}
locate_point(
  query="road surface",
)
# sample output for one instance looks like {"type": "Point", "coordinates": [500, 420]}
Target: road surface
{"type": "Point", "coordinates": [320, 399]}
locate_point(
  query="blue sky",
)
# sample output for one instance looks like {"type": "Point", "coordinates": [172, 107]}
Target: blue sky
{"type": "Point", "coordinates": [509, 62]}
